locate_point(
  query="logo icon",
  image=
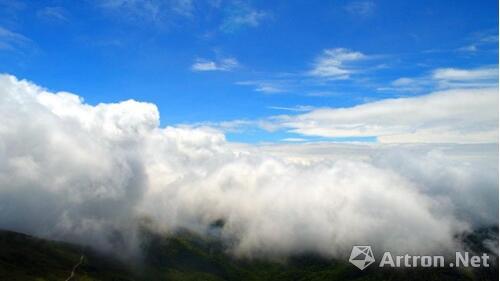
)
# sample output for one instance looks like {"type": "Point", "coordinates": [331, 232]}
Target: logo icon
{"type": "Point", "coordinates": [361, 256]}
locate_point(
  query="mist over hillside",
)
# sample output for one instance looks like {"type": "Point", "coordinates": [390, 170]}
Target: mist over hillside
{"type": "Point", "coordinates": [187, 256]}
{"type": "Point", "coordinates": [78, 172]}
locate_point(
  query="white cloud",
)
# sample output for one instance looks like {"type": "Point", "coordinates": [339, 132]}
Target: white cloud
{"type": "Point", "coordinates": [78, 172]}
{"type": "Point", "coordinates": [468, 48]}
{"type": "Point", "coordinates": [204, 65]}
{"type": "Point", "coordinates": [455, 74]}
{"type": "Point", "coordinates": [457, 116]}
{"type": "Point", "coordinates": [406, 84]}
{"type": "Point", "coordinates": [269, 88]}
{"type": "Point", "coordinates": [447, 78]}
{"type": "Point", "coordinates": [481, 77]}
{"type": "Point", "coordinates": [333, 63]}
{"type": "Point", "coordinates": [294, 139]}
{"type": "Point", "coordinates": [403, 81]}
{"type": "Point", "coordinates": [226, 64]}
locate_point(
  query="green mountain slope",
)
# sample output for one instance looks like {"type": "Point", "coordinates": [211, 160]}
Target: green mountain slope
{"type": "Point", "coordinates": [189, 257]}
{"type": "Point", "coordinates": [24, 257]}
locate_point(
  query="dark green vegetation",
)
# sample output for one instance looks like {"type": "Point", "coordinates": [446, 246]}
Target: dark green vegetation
{"type": "Point", "coordinates": [24, 257]}
{"type": "Point", "coordinates": [189, 257]}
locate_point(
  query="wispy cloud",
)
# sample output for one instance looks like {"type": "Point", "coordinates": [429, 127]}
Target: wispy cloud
{"type": "Point", "coordinates": [335, 63]}
{"type": "Point", "coordinates": [153, 11]}
{"type": "Point", "coordinates": [468, 48]}
{"type": "Point", "coordinates": [266, 86]}
{"type": "Point", "coordinates": [10, 40]}
{"type": "Point", "coordinates": [117, 157]}
{"type": "Point", "coordinates": [453, 116]}
{"type": "Point", "coordinates": [360, 8]}
{"type": "Point", "coordinates": [144, 9]}
{"type": "Point", "coordinates": [298, 108]}
{"type": "Point", "coordinates": [225, 64]}
{"type": "Point", "coordinates": [240, 15]}
{"type": "Point", "coordinates": [456, 74]}
{"type": "Point", "coordinates": [183, 7]}
{"type": "Point", "coordinates": [466, 78]}
{"type": "Point", "coordinates": [461, 108]}
{"type": "Point", "coordinates": [331, 64]}
{"type": "Point", "coordinates": [481, 41]}
{"type": "Point", "coordinates": [10, 11]}
{"type": "Point", "coordinates": [408, 85]}
{"type": "Point", "coordinates": [321, 94]}
{"type": "Point", "coordinates": [446, 78]}
{"type": "Point", "coordinates": [294, 140]}
{"type": "Point", "coordinates": [53, 14]}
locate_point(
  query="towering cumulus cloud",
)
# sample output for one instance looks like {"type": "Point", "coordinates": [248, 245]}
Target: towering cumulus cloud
{"type": "Point", "coordinates": [73, 171]}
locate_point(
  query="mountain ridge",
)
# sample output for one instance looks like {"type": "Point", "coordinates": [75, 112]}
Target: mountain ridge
{"type": "Point", "coordinates": [187, 256]}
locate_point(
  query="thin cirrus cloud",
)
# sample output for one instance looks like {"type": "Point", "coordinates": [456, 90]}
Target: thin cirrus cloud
{"type": "Point", "coordinates": [225, 64]}
{"type": "Point", "coordinates": [360, 8]}
{"type": "Point", "coordinates": [239, 15]}
{"type": "Point", "coordinates": [481, 42]}
{"type": "Point", "coordinates": [152, 11]}
{"type": "Point", "coordinates": [80, 172]}
{"type": "Point", "coordinates": [235, 15]}
{"type": "Point", "coordinates": [266, 86]}
{"type": "Point", "coordinates": [336, 64]}
{"type": "Point", "coordinates": [53, 14]}
{"type": "Point", "coordinates": [298, 108]}
{"type": "Point", "coordinates": [10, 40]}
{"type": "Point", "coordinates": [331, 64]}
{"type": "Point", "coordinates": [468, 48]}
{"type": "Point", "coordinates": [294, 140]}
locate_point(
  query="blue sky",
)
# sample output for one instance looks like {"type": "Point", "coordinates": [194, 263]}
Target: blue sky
{"type": "Point", "coordinates": [232, 64]}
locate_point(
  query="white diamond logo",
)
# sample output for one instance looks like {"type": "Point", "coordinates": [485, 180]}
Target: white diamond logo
{"type": "Point", "coordinates": [361, 256]}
